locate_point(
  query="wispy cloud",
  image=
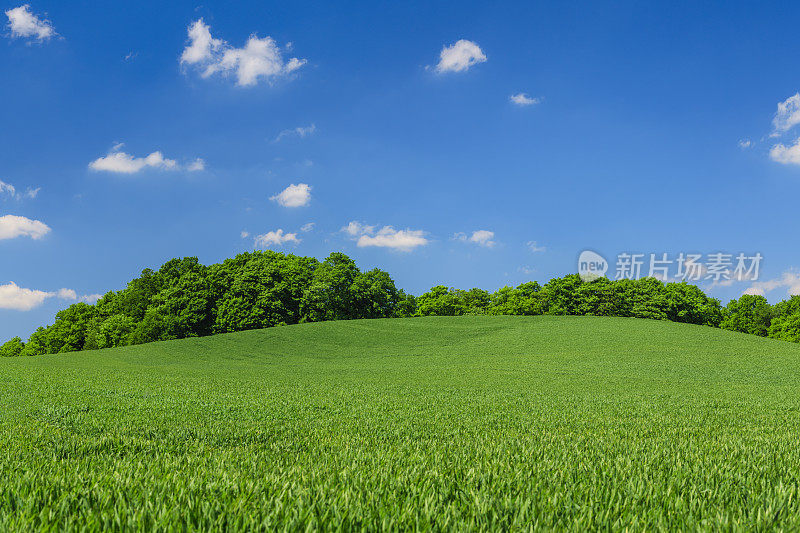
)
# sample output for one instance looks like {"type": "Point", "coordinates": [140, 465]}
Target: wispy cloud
{"type": "Point", "coordinates": [480, 237]}
{"type": "Point", "coordinates": [299, 131]}
{"type": "Point", "coordinates": [9, 191]}
{"type": "Point", "coordinates": [534, 247]}
{"type": "Point", "coordinates": [787, 116]}
{"type": "Point", "coordinates": [523, 100]}
{"type": "Point", "coordinates": [275, 238]}
{"type": "Point", "coordinates": [789, 280]}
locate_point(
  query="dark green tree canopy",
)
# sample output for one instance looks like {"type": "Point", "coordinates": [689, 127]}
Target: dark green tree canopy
{"type": "Point", "coordinates": [262, 289]}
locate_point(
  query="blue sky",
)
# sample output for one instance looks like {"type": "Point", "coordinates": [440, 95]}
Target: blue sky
{"type": "Point", "coordinates": [648, 129]}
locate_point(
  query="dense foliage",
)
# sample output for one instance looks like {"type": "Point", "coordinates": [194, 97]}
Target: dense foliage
{"type": "Point", "coordinates": [261, 289]}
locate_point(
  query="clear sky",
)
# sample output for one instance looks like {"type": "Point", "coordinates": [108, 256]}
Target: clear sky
{"type": "Point", "coordinates": [463, 144]}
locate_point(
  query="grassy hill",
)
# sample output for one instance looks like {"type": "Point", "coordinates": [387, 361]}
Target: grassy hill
{"type": "Point", "coordinates": [482, 422]}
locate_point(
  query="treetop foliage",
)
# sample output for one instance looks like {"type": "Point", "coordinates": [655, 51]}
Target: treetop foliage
{"type": "Point", "coordinates": [265, 288]}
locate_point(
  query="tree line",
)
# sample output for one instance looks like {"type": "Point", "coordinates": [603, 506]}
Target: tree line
{"type": "Point", "coordinates": [262, 289]}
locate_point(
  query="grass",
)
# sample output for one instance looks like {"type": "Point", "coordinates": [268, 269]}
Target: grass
{"type": "Point", "coordinates": [571, 423]}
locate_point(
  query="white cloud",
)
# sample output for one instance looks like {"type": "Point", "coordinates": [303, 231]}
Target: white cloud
{"type": "Point", "coordinates": [481, 237]}
{"type": "Point", "coordinates": [91, 299]}
{"type": "Point", "coordinates": [534, 247]}
{"type": "Point", "coordinates": [299, 131]}
{"type": "Point", "coordinates": [23, 23]}
{"type": "Point", "coordinates": [294, 195]}
{"type": "Point", "coordinates": [356, 229]}
{"type": "Point", "coordinates": [460, 56]}
{"type": "Point", "coordinates": [307, 227]}
{"type": "Point", "coordinates": [522, 99]}
{"type": "Point", "coordinates": [790, 280]}
{"type": "Point", "coordinates": [744, 144]}
{"type": "Point", "coordinates": [12, 296]}
{"type": "Point", "coordinates": [245, 234]}
{"type": "Point", "coordinates": [11, 191]}
{"type": "Point", "coordinates": [7, 188]}
{"type": "Point", "coordinates": [122, 163]}
{"type": "Point", "coordinates": [259, 58]}
{"type": "Point", "coordinates": [788, 155]}
{"type": "Point", "coordinates": [67, 294]}
{"type": "Point", "coordinates": [12, 226]}
{"type": "Point", "coordinates": [788, 114]}
{"type": "Point", "coordinates": [386, 237]}
{"type": "Point", "coordinates": [196, 165]}
{"type": "Point", "coordinates": [201, 44]}
{"type": "Point", "coordinates": [276, 238]}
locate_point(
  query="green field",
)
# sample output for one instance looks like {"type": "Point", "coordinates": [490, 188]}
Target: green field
{"type": "Point", "coordinates": [428, 423]}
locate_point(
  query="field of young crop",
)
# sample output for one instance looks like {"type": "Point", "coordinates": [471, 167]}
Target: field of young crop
{"type": "Point", "coordinates": [432, 423]}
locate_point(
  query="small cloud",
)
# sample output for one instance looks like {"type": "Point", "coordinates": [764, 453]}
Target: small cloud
{"type": "Point", "coordinates": [386, 237]}
{"type": "Point", "coordinates": [90, 299]}
{"type": "Point", "coordinates": [122, 163]}
{"type": "Point", "coordinates": [744, 144]}
{"type": "Point", "coordinates": [258, 59]}
{"type": "Point", "coordinates": [522, 99]}
{"type": "Point", "coordinates": [130, 56]}
{"type": "Point", "coordinates": [24, 24]}
{"type": "Point", "coordinates": [307, 227]}
{"type": "Point", "coordinates": [356, 229]}
{"type": "Point", "coordinates": [17, 298]}
{"type": "Point", "coordinates": [245, 234]}
{"type": "Point", "coordinates": [300, 131]}
{"type": "Point", "coordinates": [525, 269]}
{"type": "Point", "coordinates": [275, 238]}
{"type": "Point", "coordinates": [481, 237]}
{"type": "Point", "coordinates": [9, 191]}
{"type": "Point", "coordinates": [294, 195]}
{"type": "Point", "coordinates": [787, 155]}
{"type": "Point", "coordinates": [67, 294]}
{"type": "Point", "coordinates": [196, 165]}
{"type": "Point", "coordinates": [460, 56]}
{"type": "Point", "coordinates": [534, 247]}
{"type": "Point", "coordinates": [790, 280]}
{"type": "Point", "coordinates": [12, 226]}
{"type": "Point", "coordinates": [788, 115]}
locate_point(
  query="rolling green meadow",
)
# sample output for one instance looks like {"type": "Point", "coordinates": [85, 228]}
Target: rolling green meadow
{"type": "Point", "coordinates": [435, 423]}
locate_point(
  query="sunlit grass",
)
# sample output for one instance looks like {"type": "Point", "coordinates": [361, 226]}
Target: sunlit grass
{"type": "Point", "coordinates": [433, 423]}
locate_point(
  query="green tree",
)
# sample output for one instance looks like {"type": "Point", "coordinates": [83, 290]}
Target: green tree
{"type": "Point", "coordinates": [786, 320]}
{"type": "Point", "coordinates": [749, 314]}
{"type": "Point", "coordinates": [12, 348]}
{"type": "Point", "coordinates": [37, 343]}
{"type": "Point", "coordinates": [440, 301]}
{"type": "Point", "coordinates": [373, 294]}
{"type": "Point", "coordinates": [330, 295]}
{"type": "Point", "coordinates": [267, 291]}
